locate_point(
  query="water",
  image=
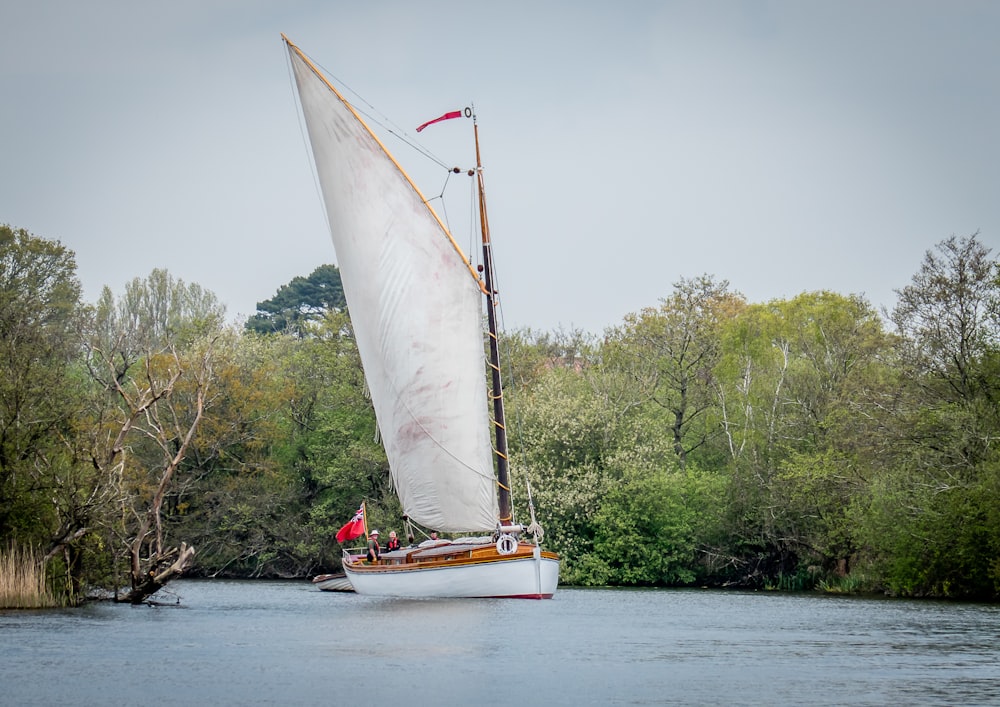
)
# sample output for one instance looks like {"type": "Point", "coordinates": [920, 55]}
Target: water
{"type": "Point", "coordinates": [285, 643]}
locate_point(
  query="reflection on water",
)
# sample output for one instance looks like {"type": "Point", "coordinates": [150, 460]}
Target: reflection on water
{"type": "Point", "coordinates": [286, 643]}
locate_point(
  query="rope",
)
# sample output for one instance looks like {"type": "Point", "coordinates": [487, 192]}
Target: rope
{"type": "Point", "coordinates": [534, 528]}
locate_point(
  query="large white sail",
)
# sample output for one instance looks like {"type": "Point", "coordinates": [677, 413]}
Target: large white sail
{"type": "Point", "coordinates": [417, 314]}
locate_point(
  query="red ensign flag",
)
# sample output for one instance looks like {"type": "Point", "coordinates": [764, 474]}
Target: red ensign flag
{"type": "Point", "coordinates": [354, 528]}
{"type": "Point", "coordinates": [446, 116]}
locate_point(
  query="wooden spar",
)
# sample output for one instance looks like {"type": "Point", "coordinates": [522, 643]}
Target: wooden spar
{"type": "Point", "coordinates": [499, 418]}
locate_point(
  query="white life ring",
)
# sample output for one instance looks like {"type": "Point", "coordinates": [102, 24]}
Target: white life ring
{"type": "Point", "coordinates": [507, 544]}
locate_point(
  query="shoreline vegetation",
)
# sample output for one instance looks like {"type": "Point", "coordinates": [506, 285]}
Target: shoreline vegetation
{"type": "Point", "coordinates": [22, 581]}
{"type": "Point", "coordinates": [802, 444]}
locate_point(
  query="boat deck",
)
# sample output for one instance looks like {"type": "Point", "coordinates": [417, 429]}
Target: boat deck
{"type": "Point", "coordinates": [443, 553]}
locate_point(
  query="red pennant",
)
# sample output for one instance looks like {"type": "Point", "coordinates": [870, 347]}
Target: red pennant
{"type": "Point", "coordinates": [446, 116]}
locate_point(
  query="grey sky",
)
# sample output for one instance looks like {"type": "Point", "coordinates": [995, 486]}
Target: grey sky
{"type": "Point", "coordinates": [785, 146]}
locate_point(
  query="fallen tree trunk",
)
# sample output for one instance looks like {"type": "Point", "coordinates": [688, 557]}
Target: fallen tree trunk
{"type": "Point", "coordinates": [166, 567]}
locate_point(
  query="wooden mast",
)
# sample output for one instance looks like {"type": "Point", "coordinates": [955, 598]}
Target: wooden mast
{"type": "Point", "coordinates": [496, 393]}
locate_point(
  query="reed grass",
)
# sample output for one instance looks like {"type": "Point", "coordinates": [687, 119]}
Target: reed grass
{"type": "Point", "coordinates": [22, 580]}
{"type": "Point", "coordinates": [854, 583]}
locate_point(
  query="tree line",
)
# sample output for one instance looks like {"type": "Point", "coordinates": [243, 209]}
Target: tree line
{"type": "Point", "coordinates": [707, 440]}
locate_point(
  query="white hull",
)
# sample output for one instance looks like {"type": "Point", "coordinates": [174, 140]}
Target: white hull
{"type": "Point", "coordinates": [525, 577]}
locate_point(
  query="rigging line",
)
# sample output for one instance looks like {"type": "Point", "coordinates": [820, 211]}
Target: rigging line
{"type": "Point", "coordinates": [504, 349]}
{"type": "Point", "coordinates": [304, 136]}
{"type": "Point", "coordinates": [440, 198]}
{"type": "Point", "coordinates": [378, 118]}
{"type": "Point", "coordinates": [508, 358]}
{"type": "Point", "coordinates": [473, 227]}
{"type": "Point", "coordinates": [373, 114]}
{"type": "Point", "coordinates": [404, 137]}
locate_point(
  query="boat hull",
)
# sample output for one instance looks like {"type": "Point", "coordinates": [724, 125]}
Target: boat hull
{"type": "Point", "coordinates": [526, 574]}
{"type": "Point", "coordinates": [333, 583]}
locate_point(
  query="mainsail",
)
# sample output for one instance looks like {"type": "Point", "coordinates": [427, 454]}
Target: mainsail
{"type": "Point", "coordinates": [417, 314]}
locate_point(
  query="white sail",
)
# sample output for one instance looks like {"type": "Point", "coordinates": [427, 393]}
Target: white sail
{"type": "Point", "coordinates": [417, 314]}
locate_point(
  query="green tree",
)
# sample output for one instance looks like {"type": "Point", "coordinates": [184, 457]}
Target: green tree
{"type": "Point", "coordinates": [563, 434]}
{"type": "Point", "coordinates": [931, 519]}
{"type": "Point", "coordinates": [801, 387]}
{"type": "Point", "coordinates": [39, 307]}
{"type": "Point", "coordinates": [528, 354]}
{"type": "Point", "coordinates": [672, 351]}
{"type": "Point", "coordinates": [948, 319]}
{"type": "Point", "coordinates": [239, 502]}
{"type": "Point", "coordinates": [303, 300]}
{"type": "Point", "coordinates": [654, 524]}
{"type": "Point", "coordinates": [334, 445]}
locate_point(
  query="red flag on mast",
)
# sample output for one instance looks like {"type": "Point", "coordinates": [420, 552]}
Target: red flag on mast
{"type": "Point", "coordinates": [354, 528]}
{"type": "Point", "coordinates": [446, 116]}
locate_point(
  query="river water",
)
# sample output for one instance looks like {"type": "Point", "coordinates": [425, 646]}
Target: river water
{"type": "Point", "coordinates": [285, 643]}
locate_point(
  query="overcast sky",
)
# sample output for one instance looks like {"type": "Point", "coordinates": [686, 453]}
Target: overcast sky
{"type": "Point", "coordinates": [784, 146]}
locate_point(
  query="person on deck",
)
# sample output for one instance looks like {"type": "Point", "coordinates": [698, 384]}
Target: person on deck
{"type": "Point", "coordinates": [432, 540]}
{"type": "Point", "coordinates": [393, 541]}
{"type": "Point", "coordinates": [373, 548]}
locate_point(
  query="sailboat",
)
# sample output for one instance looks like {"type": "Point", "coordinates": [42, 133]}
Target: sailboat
{"type": "Point", "coordinates": [416, 303]}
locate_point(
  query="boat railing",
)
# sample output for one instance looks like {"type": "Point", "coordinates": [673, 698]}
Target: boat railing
{"type": "Point", "coordinates": [353, 554]}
